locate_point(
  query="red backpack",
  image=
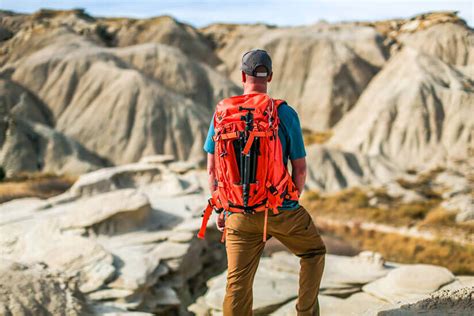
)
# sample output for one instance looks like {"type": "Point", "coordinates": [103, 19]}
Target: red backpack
{"type": "Point", "coordinates": [249, 169]}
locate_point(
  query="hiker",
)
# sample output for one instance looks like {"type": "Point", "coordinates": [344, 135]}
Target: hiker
{"type": "Point", "coordinates": [250, 140]}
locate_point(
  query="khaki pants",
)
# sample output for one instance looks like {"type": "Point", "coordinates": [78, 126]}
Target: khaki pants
{"type": "Point", "coordinates": [296, 230]}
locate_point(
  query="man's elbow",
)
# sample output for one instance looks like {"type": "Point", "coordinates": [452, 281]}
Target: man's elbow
{"type": "Point", "coordinates": [299, 166]}
{"type": "Point", "coordinates": [300, 172]}
{"type": "Point", "coordinates": [210, 164]}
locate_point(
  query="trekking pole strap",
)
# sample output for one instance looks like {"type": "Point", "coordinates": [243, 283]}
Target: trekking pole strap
{"type": "Point", "coordinates": [252, 136]}
{"type": "Point", "coordinates": [205, 218]}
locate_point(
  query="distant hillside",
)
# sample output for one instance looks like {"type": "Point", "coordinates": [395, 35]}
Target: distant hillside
{"type": "Point", "coordinates": [111, 90]}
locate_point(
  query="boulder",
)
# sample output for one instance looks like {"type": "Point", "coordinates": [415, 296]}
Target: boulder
{"type": "Point", "coordinates": [109, 213]}
{"type": "Point", "coordinates": [409, 283]}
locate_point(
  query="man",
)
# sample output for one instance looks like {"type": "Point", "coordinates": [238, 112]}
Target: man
{"type": "Point", "coordinates": [292, 225]}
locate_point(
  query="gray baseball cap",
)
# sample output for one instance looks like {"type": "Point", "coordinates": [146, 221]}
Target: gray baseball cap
{"type": "Point", "coordinates": [254, 58]}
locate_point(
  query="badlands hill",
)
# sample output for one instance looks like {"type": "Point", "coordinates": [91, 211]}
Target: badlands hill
{"type": "Point", "coordinates": [80, 92]}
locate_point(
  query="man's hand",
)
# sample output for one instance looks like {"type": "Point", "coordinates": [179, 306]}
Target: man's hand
{"type": "Point", "coordinates": [220, 222]}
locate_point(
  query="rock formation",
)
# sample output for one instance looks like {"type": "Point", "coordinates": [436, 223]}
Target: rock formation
{"type": "Point", "coordinates": [120, 103]}
{"type": "Point", "coordinates": [27, 131]}
{"type": "Point", "coordinates": [126, 242]}
{"type": "Point", "coordinates": [331, 169]}
{"type": "Point", "coordinates": [416, 111]}
{"type": "Point", "coordinates": [124, 88]}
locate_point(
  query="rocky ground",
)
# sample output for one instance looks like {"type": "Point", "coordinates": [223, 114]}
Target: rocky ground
{"type": "Point", "coordinates": [122, 240]}
{"type": "Point", "coordinates": [360, 285]}
{"type": "Point", "coordinates": [125, 236]}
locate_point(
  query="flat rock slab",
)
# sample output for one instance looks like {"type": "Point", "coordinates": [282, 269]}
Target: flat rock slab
{"type": "Point", "coordinates": [460, 282]}
{"type": "Point", "coordinates": [340, 272]}
{"type": "Point", "coordinates": [18, 209]}
{"type": "Point", "coordinates": [114, 178]}
{"type": "Point", "coordinates": [355, 305]}
{"type": "Point", "coordinates": [409, 282]}
{"type": "Point", "coordinates": [112, 212]}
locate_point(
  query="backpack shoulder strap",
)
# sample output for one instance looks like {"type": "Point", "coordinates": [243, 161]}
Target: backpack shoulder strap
{"type": "Point", "coordinates": [279, 102]}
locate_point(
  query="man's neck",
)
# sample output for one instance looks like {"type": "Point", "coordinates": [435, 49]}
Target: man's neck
{"type": "Point", "coordinates": [254, 89]}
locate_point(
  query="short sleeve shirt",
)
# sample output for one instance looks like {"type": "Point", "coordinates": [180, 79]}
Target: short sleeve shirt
{"type": "Point", "coordinates": [291, 139]}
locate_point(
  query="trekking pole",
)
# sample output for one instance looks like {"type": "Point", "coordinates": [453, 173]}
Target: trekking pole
{"type": "Point", "coordinates": [248, 118]}
{"type": "Point", "coordinates": [253, 159]}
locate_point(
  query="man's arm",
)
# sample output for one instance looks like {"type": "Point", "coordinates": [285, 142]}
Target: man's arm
{"type": "Point", "coordinates": [298, 173]}
{"type": "Point", "coordinates": [211, 172]}
{"type": "Point", "coordinates": [220, 222]}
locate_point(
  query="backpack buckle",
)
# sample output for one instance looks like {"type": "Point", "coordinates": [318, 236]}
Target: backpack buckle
{"type": "Point", "coordinates": [273, 190]}
{"type": "Point", "coordinates": [249, 211]}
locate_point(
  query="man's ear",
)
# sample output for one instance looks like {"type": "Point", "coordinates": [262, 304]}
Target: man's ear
{"type": "Point", "coordinates": [244, 77]}
{"type": "Point", "coordinates": [270, 77]}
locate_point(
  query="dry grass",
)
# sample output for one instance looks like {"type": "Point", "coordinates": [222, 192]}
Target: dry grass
{"type": "Point", "coordinates": [438, 217]}
{"type": "Point", "coordinates": [34, 185]}
{"type": "Point", "coordinates": [311, 137]}
{"type": "Point", "coordinates": [394, 247]}
{"type": "Point", "coordinates": [354, 205]}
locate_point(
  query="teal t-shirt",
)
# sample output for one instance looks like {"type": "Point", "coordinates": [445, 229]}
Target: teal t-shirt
{"type": "Point", "coordinates": [291, 139]}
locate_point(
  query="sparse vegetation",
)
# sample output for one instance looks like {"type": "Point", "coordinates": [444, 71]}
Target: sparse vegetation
{"type": "Point", "coordinates": [355, 205]}
{"type": "Point", "coordinates": [34, 185]}
{"type": "Point", "coordinates": [311, 137]}
{"type": "Point", "coordinates": [438, 217]}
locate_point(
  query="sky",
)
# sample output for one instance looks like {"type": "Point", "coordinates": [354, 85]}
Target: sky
{"type": "Point", "coordinates": [279, 12]}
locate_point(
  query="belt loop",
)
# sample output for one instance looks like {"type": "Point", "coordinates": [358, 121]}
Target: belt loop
{"type": "Point", "coordinates": [265, 226]}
